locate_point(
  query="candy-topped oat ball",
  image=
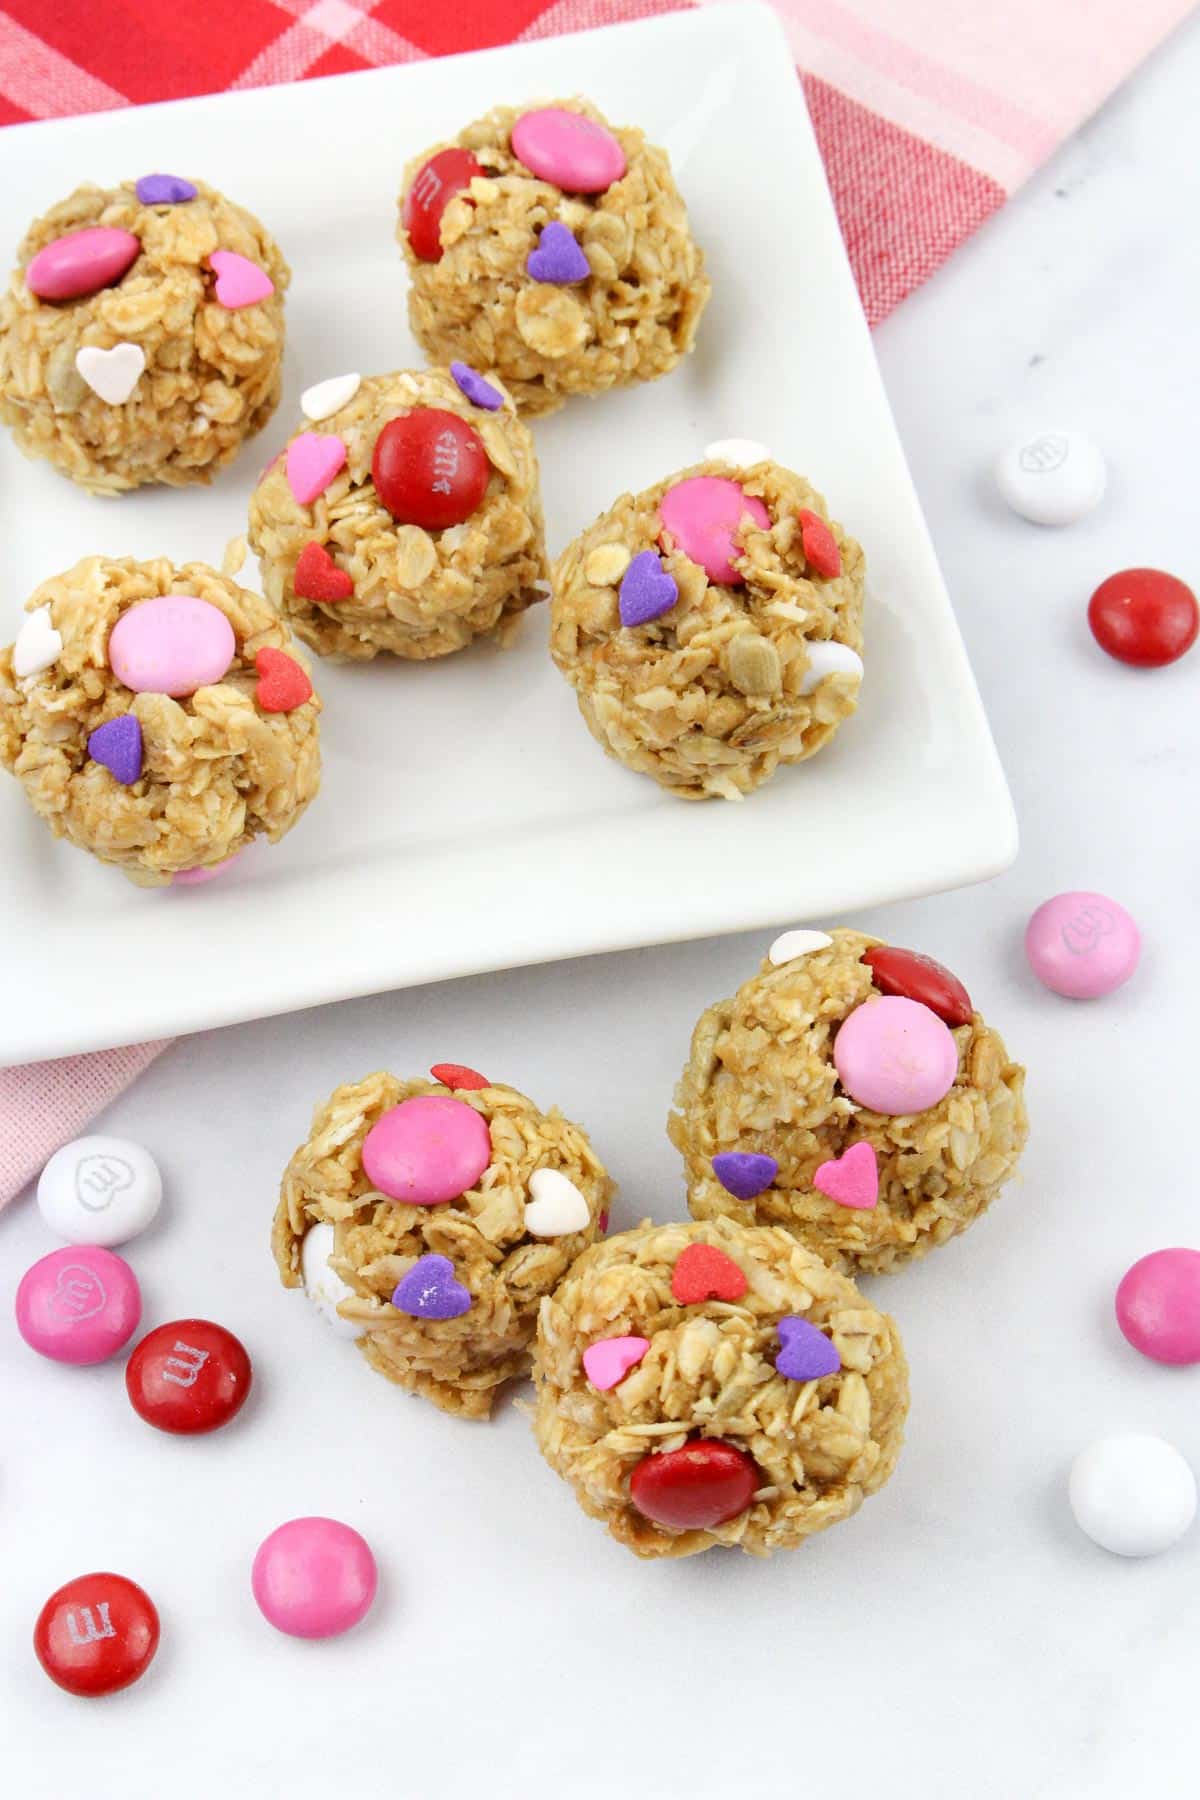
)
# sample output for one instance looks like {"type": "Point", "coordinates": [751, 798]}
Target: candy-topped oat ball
{"type": "Point", "coordinates": [716, 1384]}
{"type": "Point", "coordinates": [159, 716]}
{"type": "Point", "coordinates": [851, 1092]}
{"type": "Point", "coordinates": [711, 626]}
{"type": "Point", "coordinates": [406, 516]}
{"type": "Point", "coordinates": [553, 247]}
{"type": "Point", "coordinates": [429, 1218]}
{"type": "Point", "coordinates": [141, 336]}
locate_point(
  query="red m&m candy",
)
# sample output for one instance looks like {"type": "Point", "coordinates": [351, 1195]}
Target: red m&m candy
{"type": "Point", "coordinates": [692, 1489]}
{"type": "Point", "coordinates": [96, 1634]}
{"type": "Point", "coordinates": [911, 976]}
{"type": "Point", "coordinates": [430, 468]}
{"type": "Point", "coordinates": [1144, 617]}
{"type": "Point", "coordinates": [188, 1377]}
{"type": "Point", "coordinates": [434, 186]}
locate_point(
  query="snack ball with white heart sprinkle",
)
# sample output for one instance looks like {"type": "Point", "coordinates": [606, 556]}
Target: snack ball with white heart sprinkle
{"type": "Point", "coordinates": [716, 1384]}
{"type": "Point", "coordinates": [711, 626]}
{"type": "Point", "coordinates": [158, 715]}
{"type": "Point", "coordinates": [553, 247]}
{"type": "Point", "coordinates": [406, 517]}
{"type": "Point", "coordinates": [141, 333]}
{"type": "Point", "coordinates": [447, 1209]}
{"type": "Point", "coordinates": [850, 1092]}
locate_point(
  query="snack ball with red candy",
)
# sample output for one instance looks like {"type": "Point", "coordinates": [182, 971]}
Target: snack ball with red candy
{"type": "Point", "coordinates": [851, 1092]}
{"type": "Point", "coordinates": [684, 1420]}
{"type": "Point", "coordinates": [553, 247]}
{"type": "Point", "coordinates": [408, 520]}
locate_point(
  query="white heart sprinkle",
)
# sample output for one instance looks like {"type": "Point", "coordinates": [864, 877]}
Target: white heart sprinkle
{"type": "Point", "coordinates": [329, 396]}
{"type": "Point", "coordinates": [113, 374]}
{"type": "Point", "coordinates": [38, 644]}
{"type": "Point", "coordinates": [792, 944]}
{"type": "Point", "coordinates": [323, 1285]}
{"type": "Point", "coordinates": [827, 658]}
{"type": "Point", "coordinates": [557, 1206]}
{"type": "Point", "coordinates": [743, 453]}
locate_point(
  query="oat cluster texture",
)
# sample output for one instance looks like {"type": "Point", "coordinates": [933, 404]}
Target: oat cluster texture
{"type": "Point", "coordinates": [416, 593]}
{"type": "Point", "coordinates": [630, 320]}
{"type": "Point", "coordinates": [821, 1446]}
{"type": "Point", "coordinates": [458, 1363]}
{"type": "Point", "coordinates": [218, 770]}
{"type": "Point", "coordinates": [212, 373]}
{"type": "Point", "coordinates": [761, 1078]}
{"type": "Point", "coordinates": [712, 696]}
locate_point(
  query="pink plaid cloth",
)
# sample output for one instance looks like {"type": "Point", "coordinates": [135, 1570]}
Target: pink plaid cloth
{"type": "Point", "coordinates": [929, 114]}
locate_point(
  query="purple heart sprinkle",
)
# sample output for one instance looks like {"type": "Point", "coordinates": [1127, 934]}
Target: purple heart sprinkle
{"type": "Point", "coordinates": [164, 190]}
{"type": "Point", "coordinates": [744, 1173]}
{"type": "Point", "coordinates": [478, 391]}
{"type": "Point", "coordinates": [430, 1291]}
{"type": "Point", "coordinates": [647, 591]}
{"type": "Point", "coordinates": [806, 1353]}
{"type": "Point", "coordinates": [557, 257]}
{"type": "Point", "coordinates": [118, 747]}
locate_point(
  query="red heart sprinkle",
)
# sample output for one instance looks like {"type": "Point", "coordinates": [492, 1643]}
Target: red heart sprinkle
{"type": "Point", "coordinates": [819, 544]}
{"type": "Point", "coordinates": [318, 577]}
{"type": "Point", "coordinates": [457, 1075]}
{"type": "Point", "coordinates": [705, 1273]}
{"type": "Point", "coordinates": [282, 683]}
{"type": "Point", "coordinates": [907, 975]}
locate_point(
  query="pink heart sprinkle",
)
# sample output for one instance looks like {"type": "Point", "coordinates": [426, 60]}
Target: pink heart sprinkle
{"type": "Point", "coordinates": [239, 281]}
{"type": "Point", "coordinates": [313, 459]}
{"type": "Point", "coordinates": [851, 1179]}
{"type": "Point", "coordinates": [609, 1361]}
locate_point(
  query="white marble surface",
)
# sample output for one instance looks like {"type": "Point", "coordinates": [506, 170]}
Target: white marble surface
{"type": "Point", "coordinates": [959, 1637]}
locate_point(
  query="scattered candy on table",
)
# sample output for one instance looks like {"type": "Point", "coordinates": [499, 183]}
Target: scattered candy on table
{"type": "Point", "coordinates": [314, 1578]}
{"type": "Point", "coordinates": [703, 1272]}
{"type": "Point", "coordinates": [188, 1377]}
{"type": "Point", "coordinates": [431, 1290]}
{"type": "Point", "coordinates": [430, 468]}
{"type": "Point", "coordinates": [1082, 945]}
{"type": "Point", "coordinates": [696, 1487]}
{"type": "Point", "coordinates": [1132, 1494]}
{"type": "Point", "coordinates": [1158, 1306]}
{"type": "Point", "coordinates": [172, 645]}
{"type": "Point", "coordinates": [114, 373]}
{"type": "Point", "coordinates": [704, 516]}
{"type": "Point", "coordinates": [1053, 478]}
{"type": "Point", "coordinates": [427, 1150]}
{"type": "Point", "coordinates": [82, 263]}
{"type": "Point", "coordinates": [744, 1173]}
{"type": "Point", "coordinates": [852, 1179]}
{"type": "Point", "coordinates": [99, 1190]}
{"type": "Point", "coordinates": [1144, 617]}
{"type": "Point", "coordinates": [96, 1634]}
{"type": "Point", "coordinates": [805, 1353]}
{"type": "Point", "coordinates": [78, 1305]}
{"type": "Point", "coordinates": [574, 152]}
{"type": "Point", "coordinates": [912, 976]}
{"type": "Point", "coordinates": [324, 1287]}
{"type": "Point", "coordinates": [313, 461]}
{"type": "Point", "coordinates": [556, 1207]}
{"type": "Point", "coordinates": [240, 282]}
{"type": "Point", "coordinates": [329, 396]}
{"type": "Point", "coordinates": [895, 1056]}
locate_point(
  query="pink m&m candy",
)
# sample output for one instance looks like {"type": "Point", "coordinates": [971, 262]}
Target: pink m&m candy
{"type": "Point", "coordinates": [1082, 945]}
{"type": "Point", "coordinates": [703, 514]}
{"type": "Point", "coordinates": [83, 262]}
{"type": "Point", "coordinates": [568, 149]}
{"type": "Point", "coordinates": [78, 1305]}
{"type": "Point", "coordinates": [427, 1150]}
{"type": "Point", "coordinates": [314, 1578]}
{"type": "Point", "coordinates": [1158, 1306]}
{"type": "Point", "coordinates": [172, 645]}
{"type": "Point", "coordinates": [895, 1056]}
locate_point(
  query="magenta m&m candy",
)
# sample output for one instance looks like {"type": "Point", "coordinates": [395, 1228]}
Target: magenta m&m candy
{"type": "Point", "coordinates": [427, 1150]}
{"type": "Point", "coordinates": [172, 645]}
{"type": "Point", "coordinates": [78, 1305]}
{"type": "Point", "coordinates": [704, 515]}
{"type": "Point", "coordinates": [1082, 945]}
{"type": "Point", "coordinates": [314, 1578]}
{"type": "Point", "coordinates": [1144, 617]}
{"type": "Point", "coordinates": [81, 263]}
{"type": "Point", "coordinates": [1158, 1306]}
{"type": "Point", "coordinates": [96, 1634]}
{"type": "Point", "coordinates": [569, 149]}
{"type": "Point", "coordinates": [895, 1056]}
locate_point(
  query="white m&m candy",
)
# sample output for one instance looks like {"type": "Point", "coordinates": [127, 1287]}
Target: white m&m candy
{"type": "Point", "coordinates": [1052, 478]}
{"type": "Point", "coordinates": [1132, 1494]}
{"type": "Point", "coordinates": [322, 1284]}
{"type": "Point", "coordinates": [99, 1190]}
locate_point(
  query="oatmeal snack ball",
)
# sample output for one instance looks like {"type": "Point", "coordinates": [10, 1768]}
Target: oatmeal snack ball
{"type": "Point", "coordinates": [716, 1384]}
{"type": "Point", "coordinates": [850, 1092]}
{"type": "Point", "coordinates": [407, 517]}
{"type": "Point", "coordinates": [554, 248]}
{"type": "Point", "coordinates": [429, 1218]}
{"type": "Point", "coordinates": [711, 626]}
{"type": "Point", "coordinates": [158, 716]}
{"type": "Point", "coordinates": [141, 335]}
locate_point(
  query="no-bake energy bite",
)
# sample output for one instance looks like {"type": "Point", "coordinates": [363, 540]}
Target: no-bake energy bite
{"type": "Point", "coordinates": [429, 1218]}
{"type": "Point", "coordinates": [406, 516]}
{"type": "Point", "coordinates": [711, 626]}
{"type": "Point", "coordinates": [716, 1384]}
{"type": "Point", "coordinates": [141, 335]}
{"type": "Point", "coordinates": [850, 1092]}
{"type": "Point", "coordinates": [159, 716]}
{"type": "Point", "coordinates": [553, 247]}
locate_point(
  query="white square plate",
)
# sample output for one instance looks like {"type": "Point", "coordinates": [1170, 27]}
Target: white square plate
{"type": "Point", "coordinates": [467, 819]}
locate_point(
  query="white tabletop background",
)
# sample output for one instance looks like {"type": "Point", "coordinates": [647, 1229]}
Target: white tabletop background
{"type": "Point", "coordinates": [959, 1636]}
